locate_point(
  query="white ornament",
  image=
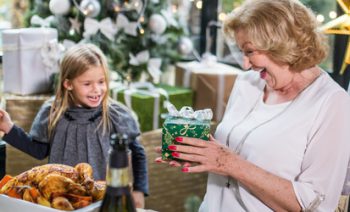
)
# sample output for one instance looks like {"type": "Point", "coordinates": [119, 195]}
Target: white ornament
{"type": "Point", "coordinates": [59, 7]}
{"type": "Point", "coordinates": [185, 46]}
{"type": "Point", "coordinates": [157, 24]}
{"type": "Point", "coordinates": [90, 8]}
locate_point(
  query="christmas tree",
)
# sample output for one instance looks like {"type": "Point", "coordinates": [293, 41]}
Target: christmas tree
{"type": "Point", "coordinates": [137, 36]}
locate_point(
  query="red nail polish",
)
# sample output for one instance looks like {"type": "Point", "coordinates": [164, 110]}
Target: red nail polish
{"type": "Point", "coordinates": [185, 169]}
{"type": "Point", "coordinates": [175, 154]}
{"type": "Point", "coordinates": [179, 139]}
{"type": "Point", "coordinates": [172, 147]}
{"type": "Point", "coordinates": [158, 160]}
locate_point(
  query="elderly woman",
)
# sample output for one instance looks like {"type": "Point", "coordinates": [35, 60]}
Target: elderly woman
{"type": "Point", "coordinates": [284, 141]}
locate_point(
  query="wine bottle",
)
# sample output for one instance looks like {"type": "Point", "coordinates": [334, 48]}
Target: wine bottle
{"type": "Point", "coordinates": [118, 197]}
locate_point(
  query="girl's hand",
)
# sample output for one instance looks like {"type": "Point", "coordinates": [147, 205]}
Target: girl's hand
{"type": "Point", "coordinates": [139, 199]}
{"type": "Point", "coordinates": [210, 155]}
{"type": "Point", "coordinates": [5, 122]}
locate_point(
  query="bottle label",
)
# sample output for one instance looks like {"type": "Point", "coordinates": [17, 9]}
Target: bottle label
{"type": "Point", "coordinates": [117, 177]}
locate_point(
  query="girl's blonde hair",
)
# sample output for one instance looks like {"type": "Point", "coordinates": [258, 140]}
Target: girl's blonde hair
{"type": "Point", "coordinates": [76, 61]}
{"type": "Point", "coordinates": [285, 29]}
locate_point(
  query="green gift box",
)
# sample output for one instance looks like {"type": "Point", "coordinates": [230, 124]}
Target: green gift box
{"type": "Point", "coordinates": [185, 126]}
{"type": "Point", "coordinates": [147, 103]}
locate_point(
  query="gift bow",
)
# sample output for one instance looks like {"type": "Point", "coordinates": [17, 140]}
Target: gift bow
{"type": "Point", "coordinates": [145, 88]}
{"type": "Point", "coordinates": [50, 53]}
{"type": "Point", "coordinates": [188, 112]}
{"type": "Point", "coordinates": [153, 64]}
{"type": "Point", "coordinates": [106, 27]}
{"type": "Point", "coordinates": [129, 27]}
{"type": "Point", "coordinates": [43, 22]}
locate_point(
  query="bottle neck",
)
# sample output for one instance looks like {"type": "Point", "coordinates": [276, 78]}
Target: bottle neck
{"type": "Point", "coordinates": [117, 177]}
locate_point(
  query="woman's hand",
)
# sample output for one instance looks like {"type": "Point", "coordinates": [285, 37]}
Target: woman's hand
{"type": "Point", "coordinates": [5, 121]}
{"type": "Point", "coordinates": [209, 155]}
{"type": "Point", "coordinates": [174, 163]}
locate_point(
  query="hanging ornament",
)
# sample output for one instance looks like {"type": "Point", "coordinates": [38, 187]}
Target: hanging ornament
{"type": "Point", "coordinates": [59, 7]}
{"type": "Point", "coordinates": [341, 26]}
{"type": "Point", "coordinates": [185, 46]}
{"type": "Point", "coordinates": [127, 5]}
{"type": "Point", "coordinates": [90, 8]}
{"type": "Point", "coordinates": [157, 24]}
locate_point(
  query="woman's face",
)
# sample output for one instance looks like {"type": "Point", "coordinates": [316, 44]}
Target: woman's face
{"type": "Point", "coordinates": [276, 75]}
{"type": "Point", "coordinates": [88, 89]}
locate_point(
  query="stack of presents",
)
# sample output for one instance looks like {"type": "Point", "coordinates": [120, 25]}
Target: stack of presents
{"type": "Point", "coordinates": [30, 58]}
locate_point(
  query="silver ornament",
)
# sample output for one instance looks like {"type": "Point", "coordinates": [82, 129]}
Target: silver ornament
{"type": "Point", "coordinates": [185, 46]}
{"type": "Point", "coordinates": [59, 7]}
{"type": "Point", "coordinates": [157, 24]}
{"type": "Point", "coordinates": [90, 8]}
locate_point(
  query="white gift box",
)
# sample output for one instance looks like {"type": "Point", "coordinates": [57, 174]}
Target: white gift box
{"type": "Point", "coordinates": [30, 57]}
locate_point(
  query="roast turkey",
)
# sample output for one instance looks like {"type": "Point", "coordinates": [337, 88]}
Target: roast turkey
{"type": "Point", "coordinates": [56, 185]}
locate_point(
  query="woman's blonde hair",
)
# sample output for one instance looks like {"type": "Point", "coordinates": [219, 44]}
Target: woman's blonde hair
{"type": "Point", "coordinates": [285, 29]}
{"type": "Point", "coordinates": [76, 61]}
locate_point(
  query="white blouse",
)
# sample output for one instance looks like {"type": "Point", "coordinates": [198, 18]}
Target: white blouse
{"type": "Point", "coordinates": [306, 141]}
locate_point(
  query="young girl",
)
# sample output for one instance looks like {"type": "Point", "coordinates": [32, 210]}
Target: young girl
{"type": "Point", "coordinates": [75, 126]}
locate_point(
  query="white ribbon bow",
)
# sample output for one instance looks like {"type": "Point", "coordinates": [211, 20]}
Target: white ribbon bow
{"type": "Point", "coordinates": [67, 44]}
{"type": "Point", "coordinates": [43, 22]}
{"type": "Point", "coordinates": [106, 27]}
{"type": "Point", "coordinates": [189, 113]}
{"type": "Point", "coordinates": [129, 27]}
{"type": "Point", "coordinates": [153, 64]}
{"type": "Point", "coordinates": [169, 18]}
{"type": "Point", "coordinates": [50, 53]}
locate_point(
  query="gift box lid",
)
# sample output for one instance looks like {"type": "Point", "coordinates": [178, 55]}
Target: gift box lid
{"type": "Point", "coordinates": [210, 68]}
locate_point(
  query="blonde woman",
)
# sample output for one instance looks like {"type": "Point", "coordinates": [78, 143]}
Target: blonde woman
{"type": "Point", "coordinates": [76, 125]}
{"type": "Point", "coordinates": [284, 141]}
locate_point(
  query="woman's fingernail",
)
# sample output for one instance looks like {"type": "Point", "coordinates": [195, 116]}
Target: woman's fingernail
{"type": "Point", "coordinates": [172, 147]}
{"type": "Point", "coordinates": [158, 160]}
{"type": "Point", "coordinates": [179, 139]}
{"type": "Point", "coordinates": [175, 154]}
{"type": "Point", "coordinates": [172, 163]}
{"type": "Point", "coordinates": [186, 164]}
{"type": "Point", "coordinates": [185, 169]}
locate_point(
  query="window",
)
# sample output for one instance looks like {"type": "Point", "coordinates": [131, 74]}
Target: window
{"type": "Point", "coordinates": [325, 10]}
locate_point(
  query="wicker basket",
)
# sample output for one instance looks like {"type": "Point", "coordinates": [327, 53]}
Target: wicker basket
{"type": "Point", "coordinates": [169, 187]}
{"type": "Point", "coordinates": [22, 110]}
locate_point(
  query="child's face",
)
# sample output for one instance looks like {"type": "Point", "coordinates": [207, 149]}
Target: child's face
{"type": "Point", "coordinates": [89, 88]}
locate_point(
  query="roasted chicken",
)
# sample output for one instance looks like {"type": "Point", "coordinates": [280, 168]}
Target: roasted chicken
{"type": "Point", "coordinates": [54, 185]}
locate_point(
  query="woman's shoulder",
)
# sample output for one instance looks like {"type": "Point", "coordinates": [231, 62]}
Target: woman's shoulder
{"type": "Point", "coordinates": [327, 86]}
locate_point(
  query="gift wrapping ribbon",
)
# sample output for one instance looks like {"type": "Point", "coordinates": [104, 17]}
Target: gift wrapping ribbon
{"type": "Point", "coordinates": [189, 113]}
{"type": "Point", "coordinates": [145, 88]}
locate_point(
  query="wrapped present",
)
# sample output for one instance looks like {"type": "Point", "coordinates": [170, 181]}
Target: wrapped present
{"type": "Point", "coordinates": [211, 83]}
{"type": "Point", "coordinates": [147, 101]}
{"type": "Point", "coordinates": [186, 122]}
{"type": "Point", "coordinates": [30, 57]}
